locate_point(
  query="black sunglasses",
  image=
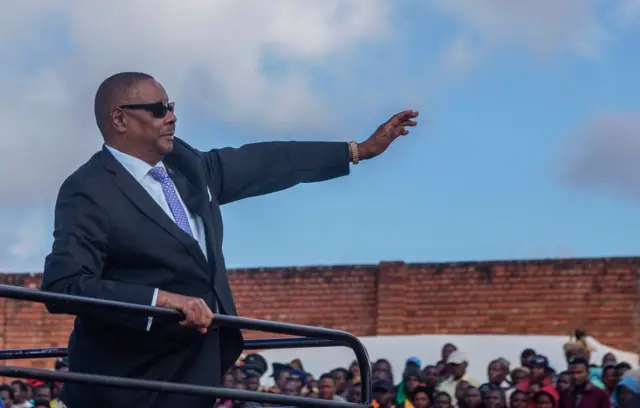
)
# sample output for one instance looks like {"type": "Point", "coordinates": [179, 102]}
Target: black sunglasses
{"type": "Point", "coordinates": [157, 109]}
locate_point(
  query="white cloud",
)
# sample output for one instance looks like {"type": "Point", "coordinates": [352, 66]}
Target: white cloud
{"type": "Point", "coordinates": [605, 155]}
{"type": "Point", "coordinates": [544, 27]}
{"type": "Point", "coordinates": [210, 53]}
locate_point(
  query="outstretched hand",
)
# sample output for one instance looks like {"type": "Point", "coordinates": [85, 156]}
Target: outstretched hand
{"type": "Point", "coordinates": [386, 133]}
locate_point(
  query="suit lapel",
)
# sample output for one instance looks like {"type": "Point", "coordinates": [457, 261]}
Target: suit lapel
{"type": "Point", "coordinates": [143, 201]}
{"type": "Point", "coordinates": [192, 184]}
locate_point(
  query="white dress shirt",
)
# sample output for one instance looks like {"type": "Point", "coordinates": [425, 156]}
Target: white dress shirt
{"type": "Point", "coordinates": [140, 171]}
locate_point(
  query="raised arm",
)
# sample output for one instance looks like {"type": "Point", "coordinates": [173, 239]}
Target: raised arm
{"type": "Point", "coordinates": [263, 168]}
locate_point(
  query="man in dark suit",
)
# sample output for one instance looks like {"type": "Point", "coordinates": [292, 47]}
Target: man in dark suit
{"type": "Point", "coordinates": [140, 222]}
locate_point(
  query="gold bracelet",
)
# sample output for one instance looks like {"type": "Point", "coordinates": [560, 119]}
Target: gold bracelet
{"type": "Point", "coordinates": [353, 149]}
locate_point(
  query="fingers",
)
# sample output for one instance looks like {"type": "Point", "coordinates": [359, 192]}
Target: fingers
{"type": "Point", "coordinates": [197, 314]}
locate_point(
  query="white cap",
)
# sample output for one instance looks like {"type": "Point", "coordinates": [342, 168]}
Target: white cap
{"type": "Point", "coordinates": [457, 357]}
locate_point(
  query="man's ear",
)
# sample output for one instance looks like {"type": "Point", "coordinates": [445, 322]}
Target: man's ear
{"type": "Point", "coordinates": [119, 120]}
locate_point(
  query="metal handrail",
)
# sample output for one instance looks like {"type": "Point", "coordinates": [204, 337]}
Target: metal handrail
{"type": "Point", "coordinates": [163, 386]}
{"type": "Point", "coordinates": [342, 337]}
{"type": "Point", "coordinates": [249, 344]}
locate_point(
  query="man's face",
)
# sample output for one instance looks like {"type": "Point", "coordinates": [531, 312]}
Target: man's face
{"type": "Point", "coordinates": [382, 396]}
{"type": "Point", "coordinates": [432, 374]}
{"type": "Point", "coordinates": [147, 130]}
{"type": "Point", "coordinates": [442, 401]}
{"type": "Point", "coordinates": [518, 375]}
{"type": "Point", "coordinates": [421, 400]}
{"type": "Point", "coordinates": [228, 381]}
{"type": "Point", "coordinates": [473, 398]}
{"type": "Point", "coordinates": [411, 383]}
{"type": "Point", "coordinates": [253, 383]}
{"type": "Point", "coordinates": [496, 373]}
{"type": "Point", "coordinates": [18, 395]}
{"type": "Point", "coordinates": [493, 399]}
{"type": "Point", "coordinates": [290, 388]}
{"type": "Point", "coordinates": [524, 359]}
{"type": "Point", "coordinates": [43, 393]}
{"type": "Point", "coordinates": [282, 378]}
{"type": "Point", "coordinates": [518, 400]}
{"type": "Point", "coordinates": [381, 366]}
{"type": "Point", "coordinates": [381, 375]}
{"type": "Point", "coordinates": [544, 401]}
{"type": "Point", "coordinates": [326, 388]}
{"type": "Point", "coordinates": [457, 370]}
{"type": "Point", "coordinates": [579, 374]}
{"type": "Point", "coordinates": [610, 378]}
{"type": "Point", "coordinates": [563, 383]}
{"type": "Point", "coordinates": [355, 394]}
{"type": "Point", "coordinates": [538, 372]}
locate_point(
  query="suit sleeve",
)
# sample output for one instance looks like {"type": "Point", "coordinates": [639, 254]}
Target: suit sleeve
{"type": "Point", "coordinates": [262, 168]}
{"type": "Point", "coordinates": [75, 265]}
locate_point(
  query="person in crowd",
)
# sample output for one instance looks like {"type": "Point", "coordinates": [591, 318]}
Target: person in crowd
{"type": "Point", "coordinates": [41, 403]}
{"type": "Point", "coordinates": [610, 379]}
{"type": "Point", "coordinates": [20, 395]}
{"type": "Point", "coordinates": [431, 376]}
{"type": "Point", "coordinates": [458, 394]}
{"type": "Point", "coordinates": [442, 370]}
{"type": "Point", "coordinates": [494, 397]}
{"type": "Point", "coordinates": [519, 374]}
{"type": "Point", "coordinates": [518, 399]}
{"type": "Point", "coordinates": [354, 393]}
{"type": "Point", "coordinates": [627, 393]}
{"type": "Point", "coordinates": [471, 398]}
{"type": "Point", "coordinates": [563, 383]}
{"type": "Point", "coordinates": [442, 400]}
{"type": "Point", "coordinates": [583, 393]}
{"type": "Point", "coordinates": [382, 394]}
{"type": "Point", "coordinates": [540, 372]}
{"type": "Point", "coordinates": [420, 397]}
{"type": "Point", "coordinates": [354, 371]}
{"type": "Point", "coordinates": [622, 368]}
{"type": "Point", "coordinates": [447, 349]}
{"type": "Point", "coordinates": [532, 388]}
{"type": "Point", "coordinates": [609, 359]}
{"type": "Point", "coordinates": [327, 388]}
{"type": "Point", "coordinates": [497, 372]}
{"type": "Point", "coordinates": [411, 379]}
{"type": "Point", "coordinates": [340, 375]}
{"type": "Point", "coordinates": [7, 396]}
{"type": "Point", "coordinates": [546, 398]}
{"type": "Point", "coordinates": [457, 364]}
{"type": "Point", "coordinates": [526, 356]}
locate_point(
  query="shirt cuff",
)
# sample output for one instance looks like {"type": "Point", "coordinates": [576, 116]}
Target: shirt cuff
{"type": "Point", "coordinates": [153, 303]}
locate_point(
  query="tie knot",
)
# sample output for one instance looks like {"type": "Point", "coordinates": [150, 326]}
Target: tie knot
{"type": "Point", "coordinates": [159, 174]}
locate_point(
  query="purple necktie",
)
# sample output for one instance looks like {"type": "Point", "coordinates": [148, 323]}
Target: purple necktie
{"type": "Point", "coordinates": [171, 195]}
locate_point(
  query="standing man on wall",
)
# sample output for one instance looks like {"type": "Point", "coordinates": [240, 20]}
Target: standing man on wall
{"type": "Point", "coordinates": [140, 222]}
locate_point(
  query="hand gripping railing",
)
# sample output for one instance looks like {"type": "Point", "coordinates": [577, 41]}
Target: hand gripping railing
{"type": "Point", "coordinates": [314, 337]}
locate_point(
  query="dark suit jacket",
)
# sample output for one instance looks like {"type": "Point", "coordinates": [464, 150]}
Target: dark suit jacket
{"type": "Point", "coordinates": [112, 241]}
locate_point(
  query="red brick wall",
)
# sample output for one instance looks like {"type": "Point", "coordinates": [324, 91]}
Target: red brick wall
{"type": "Point", "coordinates": [528, 297]}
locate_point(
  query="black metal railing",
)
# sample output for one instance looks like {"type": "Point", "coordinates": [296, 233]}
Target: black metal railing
{"type": "Point", "coordinates": [313, 337]}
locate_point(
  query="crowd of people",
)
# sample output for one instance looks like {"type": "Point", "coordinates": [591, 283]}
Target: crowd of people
{"type": "Point", "coordinates": [534, 383]}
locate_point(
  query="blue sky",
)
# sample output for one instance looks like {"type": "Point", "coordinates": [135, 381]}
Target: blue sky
{"type": "Point", "coordinates": [526, 147]}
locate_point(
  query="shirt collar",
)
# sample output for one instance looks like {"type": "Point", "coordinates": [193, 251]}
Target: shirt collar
{"type": "Point", "coordinates": [138, 168]}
